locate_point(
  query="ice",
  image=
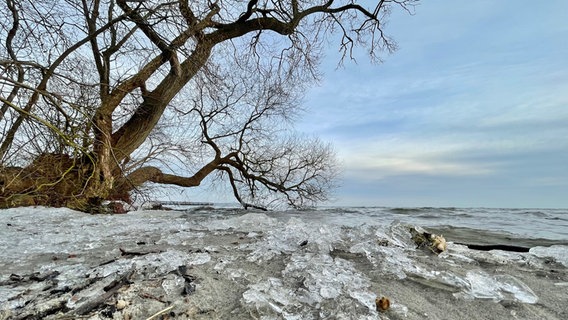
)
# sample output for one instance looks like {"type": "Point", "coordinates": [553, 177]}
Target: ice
{"type": "Point", "coordinates": [222, 264]}
{"type": "Point", "coordinates": [399, 258]}
{"type": "Point", "coordinates": [275, 265]}
{"type": "Point", "coordinates": [49, 232]}
{"type": "Point", "coordinates": [390, 260]}
{"type": "Point", "coordinates": [390, 251]}
{"type": "Point", "coordinates": [483, 286]}
{"type": "Point", "coordinates": [325, 277]}
{"type": "Point", "coordinates": [68, 275]}
{"type": "Point", "coordinates": [519, 291]}
{"type": "Point", "coordinates": [88, 293]}
{"type": "Point", "coordinates": [173, 285]}
{"type": "Point", "coordinates": [249, 222]}
{"type": "Point", "coordinates": [311, 276]}
{"type": "Point", "coordinates": [497, 288]}
{"type": "Point", "coordinates": [452, 280]}
{"type": "Point", "coordinates": [293, 236]}
{"type": "Point", "coordinates": [557, 252]}
{"type": "Point", "coordinates": [309, 281]}
{"type": "Point", "coordinates": [161, 262]}
{"type": "Point", "coordinates": [459, 254]}
{"type": "Point", "coordinates": [270, 294]}
{"type": "Point", "coordinates": [172, 259]}
{"type": "Point", "coordinates": [399, 234]}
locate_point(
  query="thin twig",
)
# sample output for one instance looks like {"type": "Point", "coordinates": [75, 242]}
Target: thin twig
{"type": "Point", "coordinates": [160, 312]}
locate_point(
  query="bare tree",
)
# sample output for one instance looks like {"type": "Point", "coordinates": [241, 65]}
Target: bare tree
{"type": "Point", "coordinates": [101, 96]}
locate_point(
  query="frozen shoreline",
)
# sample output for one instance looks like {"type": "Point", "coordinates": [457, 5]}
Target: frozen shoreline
{"type": "Point", "coordinates": [258, 265]}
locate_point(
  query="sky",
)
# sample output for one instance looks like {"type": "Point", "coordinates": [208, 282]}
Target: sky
{"type": "Point", "coordinates": [471, 111]}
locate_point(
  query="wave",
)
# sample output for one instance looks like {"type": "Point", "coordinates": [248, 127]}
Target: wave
{"type": "Point", "coordinates": [483, 237]}
{"type": "Point", "coordinates": [408, 210]}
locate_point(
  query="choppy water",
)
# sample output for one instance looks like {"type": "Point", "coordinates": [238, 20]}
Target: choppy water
{"type": "Point", "coordinates": [470, 223]}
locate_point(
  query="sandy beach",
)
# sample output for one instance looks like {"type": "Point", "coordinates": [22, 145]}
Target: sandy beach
{"type": "Point", "coordinates": [60, 264]}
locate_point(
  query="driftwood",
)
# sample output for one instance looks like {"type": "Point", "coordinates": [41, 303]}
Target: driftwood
{"type": "Point", "coordinates": [425, 240]}
{"type": "Point", "coordinates": [47, 301]}
{"type": "Point", "coordinates": [34, 277]}
{"type": "Point", "coordinates": [111, 289]}
{"type": "Point", "coordinates": [51, 301]}
{"type": "Point", "coordinates": [127, 253]}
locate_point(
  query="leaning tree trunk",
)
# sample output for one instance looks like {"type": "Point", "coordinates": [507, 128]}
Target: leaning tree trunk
{"type": "Point", "coordinates": [92, 172]}
{"type": "Point", "coordinates": [102, 180]}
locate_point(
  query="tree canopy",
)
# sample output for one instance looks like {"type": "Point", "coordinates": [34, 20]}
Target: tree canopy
{"type": "Point", "coordinates": [99, 97]}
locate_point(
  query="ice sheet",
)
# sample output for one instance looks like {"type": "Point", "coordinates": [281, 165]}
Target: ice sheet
{"type": "Point", "coordinates": [306, 267]}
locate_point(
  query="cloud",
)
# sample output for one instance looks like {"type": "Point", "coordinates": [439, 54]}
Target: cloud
{"type": "Point", "coordinates": [475, 100]}
{"type": "Point", "coordinates": [375, 160]}
{"type": "Point", "coordinates": [397, 166]}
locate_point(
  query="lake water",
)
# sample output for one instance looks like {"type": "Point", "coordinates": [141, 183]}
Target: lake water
{"type": "Point", "coordinates": [521, 224]}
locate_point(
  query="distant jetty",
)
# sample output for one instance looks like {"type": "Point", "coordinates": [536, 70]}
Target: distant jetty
{"type": "Point", "coordinates": [183, 203]}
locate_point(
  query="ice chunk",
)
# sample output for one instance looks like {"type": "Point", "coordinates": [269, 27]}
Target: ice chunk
{"type": "Point", "coordinates": [399, 234]}
{"type": "Point", "coordinates": [497, 288]}
{"type": "Point", "coordinates": [312, 282]}
{"type": "Point", "coordinates": [69, 276]}
{"type": "Point", "coordinates": [365, 297]}
{"type": "Point", "coordinates": [557, 252]}
{"type": "Point", "coordinates": [119, 266]}
{"type": "Point", "coordinates": [482, 286]}
{"type": "Point", "coordinates": [199, 258]}
{"type": "Point", "coordinates": [390, 260]}
{"type": "Point", "coordinates": [161, 262]}
{"type": "Point", "coordinates": [173, 285]}
{"type": "Point", "coordinates": [221, 264]}
{"type": "Point", "coordinates": [293, 236]}
{"type": "Point", "coordinates": [520, 291]}
{"type": "Point", "coordinates": [327, 278]}
{"type": "Point", "coordinates": [268, 297]}
{"type": "Point", "coordinates": [249, 222]}
{"type": "Point", "coordinates": [452, 279]}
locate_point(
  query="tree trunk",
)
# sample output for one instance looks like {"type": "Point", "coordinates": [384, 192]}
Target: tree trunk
{"type": "Point", "coordinates": [102, 179]}
{"type": "Point", "coordinates": [136, 130]}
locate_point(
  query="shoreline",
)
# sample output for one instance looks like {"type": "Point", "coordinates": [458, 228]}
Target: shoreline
{"type": "Point", "coordinates": [59, 263]}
